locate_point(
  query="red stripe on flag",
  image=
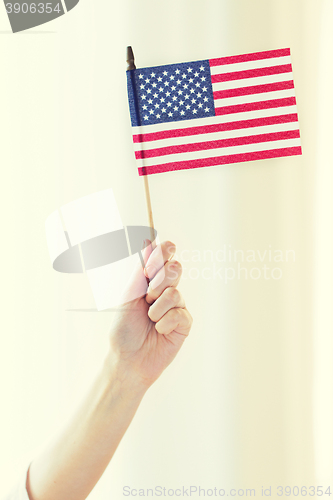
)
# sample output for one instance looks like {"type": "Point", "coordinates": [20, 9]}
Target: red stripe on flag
{"type": "Point", "coordinates": [255, 56]}
{"type": "Point", "coordinates": [251, 73]}
{"type": "Point", "coordinates": [254, 106]}
{"type": "Point", "coordinates": [223, 143]}
{"type": "Point", "coordinates": [207, 129]}
{"type": "Point", "coordinates": [255, 89]}
{"type": "Point", "coordinates": [220, 160]}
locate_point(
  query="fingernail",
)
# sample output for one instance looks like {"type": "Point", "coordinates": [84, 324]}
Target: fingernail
{"type": "Point", "coordinates": [149, 271]}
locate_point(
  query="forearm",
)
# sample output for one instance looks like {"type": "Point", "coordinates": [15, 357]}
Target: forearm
{"type": "Point", "coordinates": [74, 462]}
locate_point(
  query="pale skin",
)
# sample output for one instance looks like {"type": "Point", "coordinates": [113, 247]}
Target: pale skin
{"type": "Point", "coordinates": [145, 338]}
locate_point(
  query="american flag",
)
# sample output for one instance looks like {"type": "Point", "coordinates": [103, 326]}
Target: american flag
{"type": "Point", "coordinates": [214, 112]}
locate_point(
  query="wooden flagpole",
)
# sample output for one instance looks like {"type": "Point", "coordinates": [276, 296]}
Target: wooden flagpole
{"type": "Point", "coordinates": [131, 66]}
{"type": "Point", "coordinates": [149, 209]}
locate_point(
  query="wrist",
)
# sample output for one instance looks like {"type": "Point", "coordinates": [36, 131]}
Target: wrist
{"type": "Point", "coordinates": [122, 380]}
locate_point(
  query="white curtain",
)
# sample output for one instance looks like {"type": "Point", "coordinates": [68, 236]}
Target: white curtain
{"type": "Point", "coordinates": [248, 401]}
{"type": "Point", "coordinates": [323, 290]}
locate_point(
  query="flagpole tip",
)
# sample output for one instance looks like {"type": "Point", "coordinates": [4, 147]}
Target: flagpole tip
{"type": "Point", "coordinates": [130, 59]}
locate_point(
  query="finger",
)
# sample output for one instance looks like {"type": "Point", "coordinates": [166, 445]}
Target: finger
{"type": "Point", "coordinates": [147, 250]}
{"type": "Point", "coordinates": [137, 284]}
{"type": "Point", "coordinates": [176, 320]}
{"type": "Point", "coordinates": [169, 275]}
{"type": "Point", "coordinates": [158, 257]}
{"type": "Point", "coordinates": [170, 298]}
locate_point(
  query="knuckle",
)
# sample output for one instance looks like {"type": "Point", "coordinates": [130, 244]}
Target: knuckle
{"type": "Point", "coordinates": [171, 247]}
{"type": "Point", "coordinates": [174, 314]}
{"type": "Point", "coordinates": [189, 321]}
{"type": "Point", "coordinates": [172, 294]}
{"type": "Point", "coordinates": [176, 266]}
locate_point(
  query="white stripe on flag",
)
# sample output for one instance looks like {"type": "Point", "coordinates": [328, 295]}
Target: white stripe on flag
{"type": "Point", "coordinates": [215, 136]}
{"type": "Point", "coordinates": [249, 82]}
{"type": "Point", "coordinates": [211, 153]}
{"type": "Point", "coordinates": [266, 96]}
{"type": "Point", "coordinates": [214, 120]}
{"type": "Point", "coordinates": [244, 66]}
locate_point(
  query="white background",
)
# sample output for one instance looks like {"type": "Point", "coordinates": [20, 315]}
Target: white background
{"type": "Point", "coordinates": [248, 401]}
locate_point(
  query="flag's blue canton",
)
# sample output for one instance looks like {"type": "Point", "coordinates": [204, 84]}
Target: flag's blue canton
{"type": "Point", "coordinates": [173, 92]}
